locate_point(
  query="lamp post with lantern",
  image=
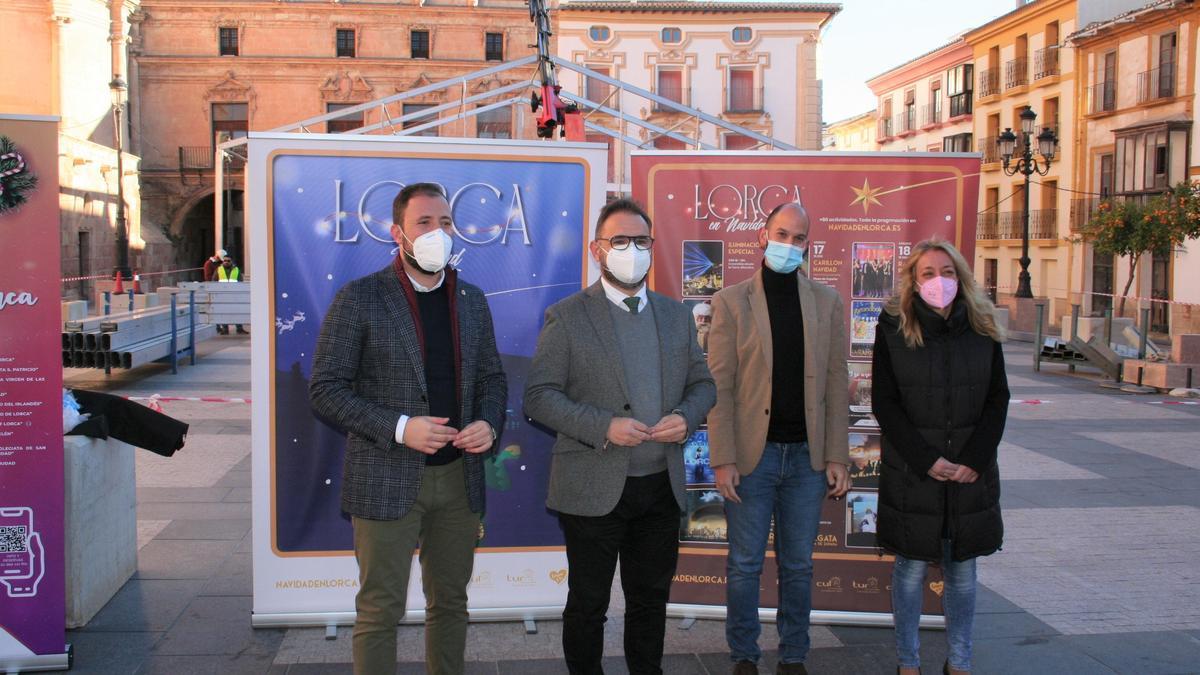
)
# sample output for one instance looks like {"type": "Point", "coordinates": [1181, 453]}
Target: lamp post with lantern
{"type": "Point", "coordinates": [1027, 166]}
{"type": "Point", "coordinates": [120, 92]}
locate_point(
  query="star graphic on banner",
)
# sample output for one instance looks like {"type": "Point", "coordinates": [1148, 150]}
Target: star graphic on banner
{"type": "Point", "coordinates": [866, 195]}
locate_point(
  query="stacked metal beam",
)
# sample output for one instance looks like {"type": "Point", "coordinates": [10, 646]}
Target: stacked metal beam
{"type": "Point", "coordinates": [130, 339]}
{"type": "Point", "coordinates": [220, 302]}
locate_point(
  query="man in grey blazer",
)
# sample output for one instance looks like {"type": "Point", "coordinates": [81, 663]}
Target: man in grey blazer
{"type": "Point", "coordinates": [406, 363]}
{"type": "Point", "coordinates": [619, 375]}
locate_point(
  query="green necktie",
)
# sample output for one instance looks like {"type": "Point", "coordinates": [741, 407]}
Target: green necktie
{"type": "Point", "coordinates": [633, 304]}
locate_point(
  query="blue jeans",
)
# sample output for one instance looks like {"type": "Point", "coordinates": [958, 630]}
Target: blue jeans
{"type": "Point", "coordinates": [958, 604]}
{"type": "Point", "coordinates": [783, 485]}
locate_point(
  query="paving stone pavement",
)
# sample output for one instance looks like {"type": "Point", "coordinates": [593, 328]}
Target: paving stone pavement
{"type": "Point", "coordinates": [1099, 571]}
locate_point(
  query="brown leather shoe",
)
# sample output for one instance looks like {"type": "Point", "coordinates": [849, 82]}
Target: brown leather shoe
{"type": "Point", "coordinates": [745, 668]}
{"type": "Point", "coordinates": [791, 669]}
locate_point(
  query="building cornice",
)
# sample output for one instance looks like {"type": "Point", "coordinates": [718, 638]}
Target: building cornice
{"type": "Point", "coordinates": [936, 61]}
{"type": "Point", "coordinates": [1015, 18]}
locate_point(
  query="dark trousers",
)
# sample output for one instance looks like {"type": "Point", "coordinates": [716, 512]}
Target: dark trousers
{"type": "Point", "coordinates": [643, 533]}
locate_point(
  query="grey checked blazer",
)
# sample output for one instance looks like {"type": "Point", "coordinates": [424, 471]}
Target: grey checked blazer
{"type": "Point", "coordinates": [577, 385]}
{"type": "Point", "coordinates": [368, 370]}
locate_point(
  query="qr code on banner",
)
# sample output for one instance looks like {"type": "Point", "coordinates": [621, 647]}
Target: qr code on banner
{"type": "Point", "coordinates": [12, 539]}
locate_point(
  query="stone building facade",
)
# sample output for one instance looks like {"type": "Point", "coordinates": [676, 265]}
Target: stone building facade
{"type": "Point", "coordinates": [208, 70]}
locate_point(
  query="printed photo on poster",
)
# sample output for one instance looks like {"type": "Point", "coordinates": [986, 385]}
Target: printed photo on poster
{"type": "Point", "coordinates": [704, 520]}
{"type": "Point", "coordinates": [873, 269]}
{"type": "Point", "coordinates": [861, 509]}
{"type": "Point", "coordinates": [865, 459]}
{"type": "Point", "coordinates": [703, 268]}
{"type": "Point", "coordinates": [860, 395]}
{"type": "Point", "coordinates": [864, 316]}
{"type": "Point", "coordinates": [697, 470]}
{"type": "Point", "coordinates": [702, 315]}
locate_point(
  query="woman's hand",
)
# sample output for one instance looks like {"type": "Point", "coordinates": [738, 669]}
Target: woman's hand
{"type": "Point", "coordinates": [943, 469]}
{"type": "Point", "coordinates": [965, 474]}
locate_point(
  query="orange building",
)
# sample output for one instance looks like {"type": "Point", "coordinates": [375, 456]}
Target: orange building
{"type": "Point", "coordinates": [1137, 95]}
{"type": "Point", "coordinates": [1019, 62]}
{"type": "Point", "coordinates": [205, 70]}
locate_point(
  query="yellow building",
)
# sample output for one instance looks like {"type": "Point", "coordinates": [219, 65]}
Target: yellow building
{"type": "Point", "coordinates": [1019, 63]}
{"type": "Point", "coordinates": [1137, 95]}
{"type": "Point", "coordinates": [855, 133]}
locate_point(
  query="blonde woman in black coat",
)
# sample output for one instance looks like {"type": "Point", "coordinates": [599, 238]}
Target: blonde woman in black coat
{"type": "Point", "coordinates": [941, 398]}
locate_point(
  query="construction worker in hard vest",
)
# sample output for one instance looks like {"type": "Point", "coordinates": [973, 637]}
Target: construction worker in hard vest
{"type": "Point", "coordinates": [228, 273]}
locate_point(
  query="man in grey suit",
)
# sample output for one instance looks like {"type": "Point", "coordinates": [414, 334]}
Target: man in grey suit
{"type": "Point", "coordinates": [619, 375]}
{"type": "Point", "coordinates": [406, 364]}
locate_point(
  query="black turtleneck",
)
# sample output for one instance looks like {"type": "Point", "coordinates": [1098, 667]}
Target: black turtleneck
{"type": "Point", "coordinates": [787, 369]}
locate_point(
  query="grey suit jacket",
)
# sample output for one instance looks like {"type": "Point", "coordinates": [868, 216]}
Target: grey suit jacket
{"type": "Point", "coordinates": [576, 387]}
{"type": "Point", "coordinates": [368, 369]}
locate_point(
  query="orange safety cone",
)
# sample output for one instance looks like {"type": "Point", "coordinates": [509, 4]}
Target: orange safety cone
{"type": "Point", "coordinates": [137, 282]}
{"type": "Point", "coordinates": [118, 287]}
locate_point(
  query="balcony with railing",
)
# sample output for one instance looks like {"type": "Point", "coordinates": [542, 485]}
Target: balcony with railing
{"type": "Point", "coordinates": [195, 157]}
{"type": "Point", "coordinates": [886, 129]}
{"type": "Point", "coordinates": [1157, 83]}
{"type": "Point", "coordinates": [986, 227]}
{"type": "Point", "coordinates": [906, 122]}
{"type": "Point", "coordinates": [989, 83]}
{"type": "Point", "coordinates": [1043, 224]}
{"type": "Point", "coordinates": [680, 95]}
{"type": "Point", "coordinates": [1102, 97]}
{"type": "Point", "coordinates": [1045, 62]}
{"type": "Point", "coordinates": [1082, 211]}
{"type": "Point", "coordinates": [744, 100]}
{"type": "Point", "coordinates": [1016, 73]}
{"type": "Point", "coordinates": [931, 114]}
{"type": "Point", "coordinates": [987, 145]}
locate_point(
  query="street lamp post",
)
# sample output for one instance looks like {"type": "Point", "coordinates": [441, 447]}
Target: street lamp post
{"type": "Point", "coordinates": [119, 91]}
{"type": "Point", "coordinates": [1027, 166]}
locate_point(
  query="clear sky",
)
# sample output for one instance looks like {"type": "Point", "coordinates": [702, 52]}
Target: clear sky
{"type": "Point", "coordinates": [869, 37]}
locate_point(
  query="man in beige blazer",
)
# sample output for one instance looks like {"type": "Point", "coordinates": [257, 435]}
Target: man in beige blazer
{"type": "Point", "coordinates": [778, 434]}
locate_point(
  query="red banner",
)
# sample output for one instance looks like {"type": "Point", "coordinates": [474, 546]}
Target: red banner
{"type": "Point", "coordinates": [866, 212]}
{"type": "Point", "coordinates": [32, 586]}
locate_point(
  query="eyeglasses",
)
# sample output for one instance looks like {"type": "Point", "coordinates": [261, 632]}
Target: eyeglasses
{"type": "Point", "coordinates": [621, 242]}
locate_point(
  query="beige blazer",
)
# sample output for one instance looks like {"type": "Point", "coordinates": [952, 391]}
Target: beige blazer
{"type": "Point", "coordinates": [740, 357]}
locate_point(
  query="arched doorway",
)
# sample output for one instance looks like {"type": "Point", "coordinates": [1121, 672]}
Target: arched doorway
{"type": "Point", "coordinates": [197, 232]}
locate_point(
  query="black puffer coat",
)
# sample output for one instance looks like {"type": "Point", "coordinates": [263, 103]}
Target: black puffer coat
{"type": "Point", "coordinates": [947, 398]}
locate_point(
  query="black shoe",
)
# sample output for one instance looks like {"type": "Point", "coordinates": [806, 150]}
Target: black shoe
{"type": "Point", "coordinates": [790, 669]}
{"type": "Point", "coordinates": [242, 331]}
{"type": "Point", "coordinates": [745, 668]}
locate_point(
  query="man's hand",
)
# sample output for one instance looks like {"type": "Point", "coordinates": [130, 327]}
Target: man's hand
{"type": "Point", "coordinates": [670, 429]}
{"type": "Point", "coordinates": [628, 432]}
{"type": "Point", "coordinates": [475, 438]}
{"type": "Point", "coordinates": [428, 434]}
{"type": "Point", "coordinates": [943, 469]}
{"type": "Point", "coordinates": [727, 482]}
{"type": "Point", "coordinates": [838, 479]}
{"type": "Point", "coordinates": [964, 474]}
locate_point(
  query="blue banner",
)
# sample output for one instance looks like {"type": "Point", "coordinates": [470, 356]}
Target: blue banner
{"type": "Point", "coordinates": [520, 227]}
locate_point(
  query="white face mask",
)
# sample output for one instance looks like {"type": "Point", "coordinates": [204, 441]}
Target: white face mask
{"type": "Point", "coordinates": [431, 250]}
{"type": "Point", "coordinates": [628, 266]}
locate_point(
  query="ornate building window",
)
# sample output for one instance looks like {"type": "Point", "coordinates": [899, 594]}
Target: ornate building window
{"type": "Point", "coordinates": [742, 34]}
{"type": "Point", "coordinates": [599, 33]}
{"type": "Point", "coordinates": [228, 38]}
{"type": "Point", "coordinates": [346, 43]}
{"type": "Point", "coordinates": [672, 36]}
{"type": "Point", "coordinates": [419, 41]}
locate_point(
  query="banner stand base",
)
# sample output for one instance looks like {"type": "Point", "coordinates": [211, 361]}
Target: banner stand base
{"type": "Point", "coordinates": [36, 662]}
{"type": "Point", "coordinates": [328, 620]}
{"type": "Point", "coordinates": [823, 617]}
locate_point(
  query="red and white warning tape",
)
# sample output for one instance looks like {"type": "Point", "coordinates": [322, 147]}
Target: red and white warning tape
{"type": "Point", "coordinates": [1173, 402]}
{"type": "Point", "coordinates": [1029, 401]}
{"type": "Point", "coordinates": [155, 401]}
